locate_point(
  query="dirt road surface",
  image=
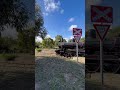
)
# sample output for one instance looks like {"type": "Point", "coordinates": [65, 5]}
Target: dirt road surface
{"type": "Point", "coordinates": [111, 82]}
{"type": "Point", "coordinates": [17, 74]}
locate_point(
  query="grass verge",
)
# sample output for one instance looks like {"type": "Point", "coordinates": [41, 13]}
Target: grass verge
{"type": "Point", "coordinates": [8, 56]}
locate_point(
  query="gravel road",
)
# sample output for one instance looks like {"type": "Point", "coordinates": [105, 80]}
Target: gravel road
{"type": "Point", "coordinates": [58, 73]}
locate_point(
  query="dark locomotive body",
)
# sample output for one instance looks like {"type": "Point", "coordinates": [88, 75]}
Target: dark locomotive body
{"type": "Point", "coordinates": [68, 49]}
{"type": "Point", "coordinates": [111, 55]}
{"type": "Point", "coordinates": [91, 50]}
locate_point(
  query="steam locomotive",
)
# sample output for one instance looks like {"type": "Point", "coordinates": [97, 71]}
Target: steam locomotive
{"type": "Point", "coordinates": [68, 49]}
{"type": "Point", "coordinates": [91, 50]}
{"type": "Point", "coordinates": [111, 54]}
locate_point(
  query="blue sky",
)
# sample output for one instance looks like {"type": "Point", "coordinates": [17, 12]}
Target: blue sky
{"type": "Point", "coordinates": [60, 16]}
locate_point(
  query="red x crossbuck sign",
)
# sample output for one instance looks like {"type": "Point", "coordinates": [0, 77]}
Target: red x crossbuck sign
{"type": "Point", "coordinates": [77, 31]}
{"type": "Point", "coordinates": [101, 14]}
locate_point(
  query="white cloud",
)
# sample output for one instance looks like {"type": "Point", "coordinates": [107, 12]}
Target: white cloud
{"type": "Point", "coordinates": [51, 5]}
{"type": "Point", "coordinates": [72, 26]}
{"type": "Point", "coordinates": [53, 39]}
{"type": "Point", "coordinates": [48, 36]}
{"type": "Point", "coordinates": [38, 39]}
{"type": "Point", "coordinates": [62, 11]}
{"type": "Point", "coordinates": [71, 37]}
{"type": "Point", "coordinates": [71, 20]}
{"type": "Point", "coordinates": [45, 13]}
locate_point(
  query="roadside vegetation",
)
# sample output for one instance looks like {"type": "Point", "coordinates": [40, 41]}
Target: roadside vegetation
{"type": "Point", "coordinates": [49, 43]}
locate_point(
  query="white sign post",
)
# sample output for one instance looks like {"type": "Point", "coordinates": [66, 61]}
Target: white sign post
{"type": "Point", "coordinates": [77, 51]}
{"type": "Point", "coordinates": [77, 39]}
{"type": "Point", "coordinates": [101, 61]}
{"type": "Point", "coordinates": [101, 31]}
{"type": "Point", "coordinates": [77, 35]}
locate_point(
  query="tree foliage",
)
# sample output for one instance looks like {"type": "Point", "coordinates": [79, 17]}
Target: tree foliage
{"type": "Point", "coordinates": [7, 45]}
{"type": "Point", "coordinates": [23, 44]}
{"type": "Point", "coordinates": [38, 45]}
{"type": "Point", "coordinates": [58, 39]}
{"type": "Point", "coordinates": [82, 39]}
{"type": "Point", "coordinates": [115, 32]}
{"type": "Point", "coordinates": [70, 40]}
{"type": "Point", "coordinates": [48, 43]}
{"type": "Point", "coordinates": [64, 40]}
{"type": "Point", "coordinates": [26, 40]}
{"type": "Point", "coordinates": [13, 13]}
{"type": "Point", "coordinates": [40, 30]}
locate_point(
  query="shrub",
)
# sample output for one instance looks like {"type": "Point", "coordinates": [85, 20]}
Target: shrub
{"type": "Point", "coordinates": [1, 56]}
{"type": "Point", "coordinates": [9, 57]}
{"type": "Point", "coordinates": [38, 49]}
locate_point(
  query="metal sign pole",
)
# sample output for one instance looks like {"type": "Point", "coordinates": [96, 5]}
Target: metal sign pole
{"type": "Point", "coordinates": [77, 51]}
{"type": "Point", "coordinates": [101, 61]}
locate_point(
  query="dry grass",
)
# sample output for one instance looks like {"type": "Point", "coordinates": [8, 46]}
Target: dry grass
{"type": "Point", "coordinates": [23, 62]}
{"type": "Point", "coordinates": [17, 74]}
{"type": "Point", "coordinates": [46, 52]}
{"type": "Point", "coordinates": [111, 82]}
{"type": "Point", "coordinates": [80, 59]}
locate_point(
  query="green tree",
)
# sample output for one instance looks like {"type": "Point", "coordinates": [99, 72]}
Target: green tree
{"type": "Point", "coordinates": [26, 41]}
{"type": "Point", "coordinates": [13, 13]}
{"type": "Point", "coordinates": [7, 45]}
{"type": "Point", "coordinates": [58, 39]}
{"type": "Point", "coordinates": [38, 45]}
{"type": "Point", "coordinates": [70, 40]}
{"type": "Point", "coordinates": [64, 40]}
{"type": "Point", "coordinates": [40, 30]}
{"type": "Point", "coordinates": [82, 39]}
{"type": "Point", "coordinates": [48, 43]}
{"type": "Point", "coordinates": [115, 32]}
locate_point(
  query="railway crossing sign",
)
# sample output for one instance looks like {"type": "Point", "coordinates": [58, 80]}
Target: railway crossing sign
{"type": "Point", "coordinates": [101, 14]}
{"type": "Point", "coordinates": [77, 38]}
{"type": "Point", "coordinates": [101, 30]}
{"type": "Point", "coordinates": [77, 31]}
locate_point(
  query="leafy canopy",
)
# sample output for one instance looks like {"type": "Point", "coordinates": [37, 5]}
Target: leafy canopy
{"type": "Point", "coordinates": [13, 13]}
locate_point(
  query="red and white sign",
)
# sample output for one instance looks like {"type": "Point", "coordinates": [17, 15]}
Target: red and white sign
{"type": "Point", "coordinates": [77, 38]}
{"type": "Point", "coordinates": [101, 14]}
{"type": "Point", "coordinates": [101, 30]}
{"type": "Point", "coordinates": [77, 32]}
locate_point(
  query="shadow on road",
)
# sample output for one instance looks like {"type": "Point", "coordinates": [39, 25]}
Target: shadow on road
{"type": "Point", "coordinates": [17, 74]}
{"type": "Point", "coordinates": [17, 81]}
